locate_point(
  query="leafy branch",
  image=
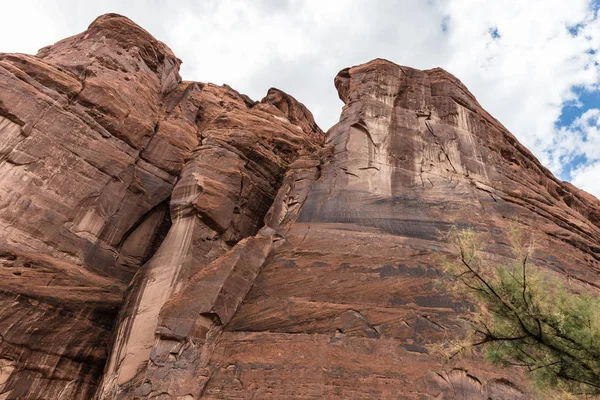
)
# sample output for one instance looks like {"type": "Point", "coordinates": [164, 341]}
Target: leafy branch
{"type": "Point", "coordinates": [523, 317]}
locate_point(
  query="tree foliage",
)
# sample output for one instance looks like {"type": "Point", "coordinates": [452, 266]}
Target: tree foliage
{"type": "Point", "coordinates": [524, 317]}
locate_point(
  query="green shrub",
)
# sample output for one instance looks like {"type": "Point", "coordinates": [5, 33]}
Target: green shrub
{"type": "Point", "coordinates": [524, 317]}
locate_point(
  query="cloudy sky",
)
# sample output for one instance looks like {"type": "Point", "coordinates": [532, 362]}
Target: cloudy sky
{"type": "Point", "coordinates": [533, 64]}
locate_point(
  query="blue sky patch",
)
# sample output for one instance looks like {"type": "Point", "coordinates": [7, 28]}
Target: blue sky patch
{"type": "Point", "coordinates": [494, 33]}
{"type": "Point", "coordinates": [570, 112]}
{"type": "Point", "coordinates": [574, 29]}
{"type": "Point", "coordinates": [569, 167]}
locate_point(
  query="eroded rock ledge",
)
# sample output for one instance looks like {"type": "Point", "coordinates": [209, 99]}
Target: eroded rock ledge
{"type": "Point", "coordinates": [169, 239]}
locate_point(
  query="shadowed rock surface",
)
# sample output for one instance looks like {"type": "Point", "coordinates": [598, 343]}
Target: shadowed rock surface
{"type": "Point", "coordinates": [170, 239]}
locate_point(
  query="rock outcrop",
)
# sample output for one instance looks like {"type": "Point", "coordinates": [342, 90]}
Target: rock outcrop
{"type": "Point", "coordinates": [347, 305]}
{"type": "Point", "coordinates": [113, 171]}
{"type": "Point", "coordinates": [169, 239]}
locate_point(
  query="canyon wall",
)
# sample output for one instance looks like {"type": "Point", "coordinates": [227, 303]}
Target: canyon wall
{"type": "Point", "coordinates": [168, 239]}
{"type": "Point", "coordinates": [113, 173]}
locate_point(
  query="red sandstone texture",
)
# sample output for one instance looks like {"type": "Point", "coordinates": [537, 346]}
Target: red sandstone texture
{"type": "Point", "coordinates": [177, 240]}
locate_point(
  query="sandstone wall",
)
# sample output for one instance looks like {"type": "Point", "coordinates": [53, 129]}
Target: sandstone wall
{"type": "Point", "coordinates": [115, 173]}
{"type": "Point", "coordinates": [177, 240]}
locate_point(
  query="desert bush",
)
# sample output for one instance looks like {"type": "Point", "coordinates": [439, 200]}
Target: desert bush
{"type": "Point", "coordinates": [524, 317]}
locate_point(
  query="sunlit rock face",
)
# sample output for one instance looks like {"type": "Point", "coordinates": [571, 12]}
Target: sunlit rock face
{"type": "Point", "coordinates": [113, 173]}
{"type": "Point", "coordinates": [169, 239]}
{"type": "Point", "coordinates": [347, 306]}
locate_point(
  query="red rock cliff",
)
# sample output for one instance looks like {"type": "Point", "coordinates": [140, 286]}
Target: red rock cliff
{"type": "Point", "coordinates": [261, 260]}
{"type": "Point", "coordinates": [110, 167]}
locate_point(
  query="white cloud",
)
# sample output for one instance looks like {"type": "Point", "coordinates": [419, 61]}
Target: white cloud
{"type": "Point", "coordinates": [523, 77]}
{"type": "Point", "coordinates": [588, 178]}
{"type": "Point", "coordinates": [581, 139]}
{"type": "Point", "coordinates": [526, 76]}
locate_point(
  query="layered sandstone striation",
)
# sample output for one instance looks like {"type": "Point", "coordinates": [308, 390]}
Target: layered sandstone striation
{"type": "Point", "coordinates": [347, 306]}
{"type": "Point", "coordinates": [169, 239]}
{"type": "Point", "coordinates": [113, 173]}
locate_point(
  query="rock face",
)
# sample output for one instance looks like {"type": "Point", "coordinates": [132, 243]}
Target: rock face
{"type": "Point", "coordinates": [346, 306]}
{"type": "Point", "coordinates": [115, 172]}
{"type": "Point", "coordinates": [170, 239]}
